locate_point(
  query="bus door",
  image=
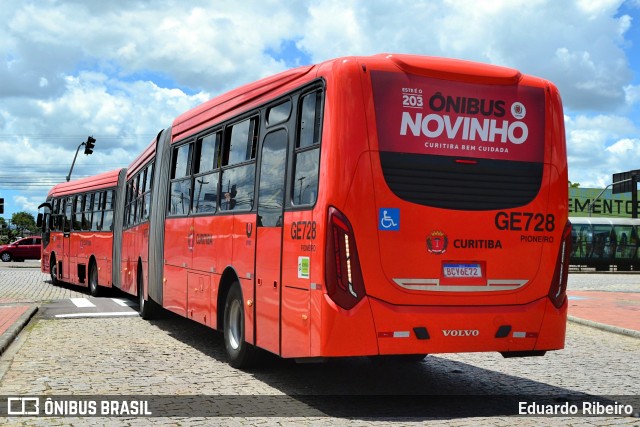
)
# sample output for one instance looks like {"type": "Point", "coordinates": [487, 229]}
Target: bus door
{"type": "Point", "coordinates": [269, 240]}
{"type": "Point", "coordinates": [66, 239]}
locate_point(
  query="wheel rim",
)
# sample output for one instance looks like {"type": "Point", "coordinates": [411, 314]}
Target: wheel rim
{"type": "Point", "coordinates": [140, 294]}
{"type": "Point", "coordinates": [93, 280]}
{"type": "Point", "coordinates": [235, 325]}
{"type": "Point", "coordinates": [6, 257]}
{"type": "Point", "coordinates": [54, 271]}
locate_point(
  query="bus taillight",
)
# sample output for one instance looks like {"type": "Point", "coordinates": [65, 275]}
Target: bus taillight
{"type": "Point", "coordinates": [345, 285]}
{"type": "Point", "coordinates": [558, 290]}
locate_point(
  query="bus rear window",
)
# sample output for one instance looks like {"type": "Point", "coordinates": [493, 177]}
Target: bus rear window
{"type": "Point", "coordinates": [459, 145]}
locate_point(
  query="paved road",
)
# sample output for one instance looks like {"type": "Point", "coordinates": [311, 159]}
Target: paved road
{"type": "Point", "coordinates": [176, 357]}
{"type": "Point", "coordinates": [23, 282]}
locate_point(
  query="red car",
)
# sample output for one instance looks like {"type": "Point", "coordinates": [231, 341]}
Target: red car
{"type": "Point", "coordinates": [25, 248]}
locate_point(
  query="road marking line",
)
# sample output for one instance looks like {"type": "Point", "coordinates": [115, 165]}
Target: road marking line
{"type": "Point", "coordinates": [115, 313]}
{"type": "Point", "coordinates": [123, 302]}
{"type": "Point", "coordinates": [82, 302]}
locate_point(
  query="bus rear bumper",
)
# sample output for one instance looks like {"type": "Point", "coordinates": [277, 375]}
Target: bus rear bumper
{"type": "Point", "coordinates": [390, 329]}
{"type": "Point", "coordinates": [514, 328]}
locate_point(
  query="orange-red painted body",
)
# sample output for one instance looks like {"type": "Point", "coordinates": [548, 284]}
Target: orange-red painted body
{"type": "Point", "coordinates": [75, 246]}
{"type": "Point", "coordinates": [294, 317]}
{"type": "Point", "coordinates": [419, 266]}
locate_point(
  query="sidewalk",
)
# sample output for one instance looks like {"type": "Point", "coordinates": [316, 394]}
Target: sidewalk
{"type": "Point", "coordinates": [13, 317]}
{"type": "Point", "coordinates": [617, 312]}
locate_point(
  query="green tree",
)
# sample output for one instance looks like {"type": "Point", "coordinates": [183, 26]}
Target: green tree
{"type": "Point", "coordinates": [4, 231]}
{"type": "Point", "coordinates": [23, 221]}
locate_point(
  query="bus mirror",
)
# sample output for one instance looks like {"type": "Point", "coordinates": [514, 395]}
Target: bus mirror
{"type": "Point", "coordinates": [39, 220]}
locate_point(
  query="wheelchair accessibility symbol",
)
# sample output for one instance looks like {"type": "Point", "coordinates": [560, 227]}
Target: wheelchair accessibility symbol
{"type": "Point", "coordinates": [389, 219]}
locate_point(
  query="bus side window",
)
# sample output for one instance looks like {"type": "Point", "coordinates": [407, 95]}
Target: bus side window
{"type": "Point", "coordinates": [54, 218]}
{"type": "Point", "coordinates": [237, 183]}
{"type": "Point", "coordinates": [141, 207]}
{"type": "Point", "coordinates": [96, 223]}
{"type": "Point", "coordinates": [107, 219]}
{"type": "Point", "coordinates": [271, 186]}
{"type": "Point", "coordinates": [77, 213]}
{"type": "Point", "coordinates": [135, 214]}
{"type": "Point", "coordinates": [180, 190]}
{"type": "Point", "coordinates": [205, 186]}
{"type": "Point", "coordinates": [67, 214]}
{"type": "Point", "coordinates": [237, 188]}
{"type": "Point", "coordinates": [307, 152]}
{"type": "Point", "coordinates": [86, 211]}
{"type": "Point", "coordinates": [127, 205]}
{"type": "Point", "coordinates": [241, 141]}
{"type": "Point", "coordinates": [147, 193]}
{"type": "Point", "coordinates": [279, 113]}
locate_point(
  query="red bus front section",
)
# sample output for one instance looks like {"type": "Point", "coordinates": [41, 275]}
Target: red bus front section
{"type": "Point", "coordinates": [445, 203]}
{"type": "Point", "coordinates": [78, 238]}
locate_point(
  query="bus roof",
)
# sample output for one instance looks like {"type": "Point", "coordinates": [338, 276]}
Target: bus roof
{"type": "Point", "coordinates": [142, 159]}
{"type": "Point", "coordinates": [103, 180]}
{"type": "Point", "coordinates": [228, 102]}
{"type": "Point", "coordinates": [200, 117]}
{"type": "Point", "coordinates": [458, 69]}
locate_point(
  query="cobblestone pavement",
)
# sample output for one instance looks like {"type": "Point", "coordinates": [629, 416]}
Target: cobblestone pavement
{"type": "Point", "coordinates": [175, 357]}
{"type": "Point", "coordinates": [24, 283]}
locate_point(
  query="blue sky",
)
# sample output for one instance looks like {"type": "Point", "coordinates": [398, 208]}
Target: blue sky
{"type": "Point", "coordinates": [122, 70]}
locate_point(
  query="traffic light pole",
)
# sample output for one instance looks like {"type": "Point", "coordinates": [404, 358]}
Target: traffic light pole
{"type": "Point", "coordinates": [88, 144]}
{"type": "Point", "coordinates": [74, 162]}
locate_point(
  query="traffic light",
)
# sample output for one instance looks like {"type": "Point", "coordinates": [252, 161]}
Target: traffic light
{"type": "Point", "coordinates": [88, 146]}
{"type": "Point", "coordinates": [1, 205]}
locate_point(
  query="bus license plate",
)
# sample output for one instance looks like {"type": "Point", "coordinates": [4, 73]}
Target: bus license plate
{"type": "Point", "coordinates": [462, 271]}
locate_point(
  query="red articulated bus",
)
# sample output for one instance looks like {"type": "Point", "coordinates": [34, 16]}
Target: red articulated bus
{"type": "Point", "coordinates": [134, 250]}
{"type": "Point", "coordinates": [382, 205]}
{"type": "Point", "coordinates": [79, 231]}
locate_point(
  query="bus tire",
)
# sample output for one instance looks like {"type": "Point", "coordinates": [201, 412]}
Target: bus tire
{"type": "Point", "coordinates": [240, 354]}
{"type": "Point", "coordinates": [147, 306]}
{"type": "Point", "coordinates": [53, 271]}
{"type": "Point", "coordinates": [94, 287]}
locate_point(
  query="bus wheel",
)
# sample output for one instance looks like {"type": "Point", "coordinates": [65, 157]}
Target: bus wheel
{"type": "Point", "coordinates": [94, 288]}
{"type": "Point", "coordinates": [147, 307]}
{"type": "Point", "coordinates": [53, 271]}
{"type": "Point", "coordinates": [240, 353]}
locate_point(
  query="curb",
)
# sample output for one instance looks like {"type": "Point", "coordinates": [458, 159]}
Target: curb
{"type": "Point", "coordinates": [10, 334]}
{"type": "Point", "coordinates": [604, 327]}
